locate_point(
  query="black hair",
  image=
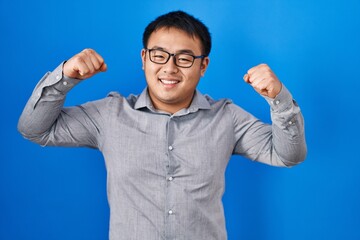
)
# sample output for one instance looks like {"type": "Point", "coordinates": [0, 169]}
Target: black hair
{"type": "Point", "coordinates": [182, 21]}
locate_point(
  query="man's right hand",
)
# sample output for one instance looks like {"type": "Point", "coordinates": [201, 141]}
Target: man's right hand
{"type": "Point", "coordinates": [84, 65]}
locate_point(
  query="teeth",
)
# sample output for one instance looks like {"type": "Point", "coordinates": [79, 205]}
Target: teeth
{"type": "Point", "coordinates": [168, 81]}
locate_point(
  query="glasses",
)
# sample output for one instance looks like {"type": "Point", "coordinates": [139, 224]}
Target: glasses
{"type": "Point", "coordinates": [183, 60]}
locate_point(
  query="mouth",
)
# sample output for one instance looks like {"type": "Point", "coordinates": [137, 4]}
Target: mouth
{"type": "Point", "coordinates": [169, 82]}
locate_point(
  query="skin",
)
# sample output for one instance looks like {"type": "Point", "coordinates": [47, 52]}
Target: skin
{"type": "Point", "coordinates": [263, 80]}
{"type": "Point", "coordinates": [84, 65]}
{"type": "Point", "coordinates": [171, 88]}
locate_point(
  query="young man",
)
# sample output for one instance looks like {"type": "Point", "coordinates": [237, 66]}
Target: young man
{"type": "Point", "coordinates": [166, 150]}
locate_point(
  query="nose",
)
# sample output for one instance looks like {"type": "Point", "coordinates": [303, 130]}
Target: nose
{"type": "Point", "coordinates": [170, 66]}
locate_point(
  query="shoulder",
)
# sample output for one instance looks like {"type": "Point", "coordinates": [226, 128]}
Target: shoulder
{"type": "Point", "coordinates": [229, 109]}
{"type": "Point", "coordinates": [112, 99]}
{"type": "Point", "coordinates": [225, 104]}
{"type": "Point", "coordinates": [117, 100]}
{"type": "Point", "coordinates": [116, 96]}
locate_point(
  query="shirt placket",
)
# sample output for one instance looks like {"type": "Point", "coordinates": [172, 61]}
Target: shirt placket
{"type": "Point", "coordinates": [171, 212]}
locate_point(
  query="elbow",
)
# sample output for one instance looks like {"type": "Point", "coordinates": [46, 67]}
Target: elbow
{"type": "Point", "coordinates": [295, 157]}
{"type": "Point", "coordinates": [22, 129]}
{"type": "Point", "coordinates": [29, 133]}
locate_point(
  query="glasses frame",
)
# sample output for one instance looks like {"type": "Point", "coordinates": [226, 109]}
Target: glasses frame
{"type": "Point", "coordinates": [173, 55]}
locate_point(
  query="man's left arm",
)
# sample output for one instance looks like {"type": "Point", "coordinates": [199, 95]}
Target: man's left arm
{"type": "Point", "coordinates": [288, 146]}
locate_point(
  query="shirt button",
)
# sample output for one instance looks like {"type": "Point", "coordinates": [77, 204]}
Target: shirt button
{"type": "Point", "coordinates": [170, 212]}
{"type": "Point", "coordinates": [65, 83]}
{"type": "Point", "coordinates": [277, 102]}
{"type": "Point", "coordinates": [170, 178]}
{"type": "Point", "coordinates": [171, 148]}
{"type": "Point", "coordinates": [58, 77]}
{"type": "Point", "coordinates": [290, 122]}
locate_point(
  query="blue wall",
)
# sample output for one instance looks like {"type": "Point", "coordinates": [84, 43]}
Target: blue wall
{"type": "Point", "coordinates": [313, 46]}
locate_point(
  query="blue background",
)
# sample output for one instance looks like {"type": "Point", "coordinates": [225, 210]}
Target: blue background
{"type": "Point", "coordinates": [313, 47]}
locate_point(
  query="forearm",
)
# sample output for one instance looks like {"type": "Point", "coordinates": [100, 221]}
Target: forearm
{"type": "Point", "coordinates": [44, 106]}
{"type": "Point", "coordinates": [288, 146]}
{"type": "Point", "coordinates": [281, 143]}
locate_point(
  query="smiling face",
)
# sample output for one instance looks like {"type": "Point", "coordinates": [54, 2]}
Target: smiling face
{"type": "Point", "coordinates": [171, 88]}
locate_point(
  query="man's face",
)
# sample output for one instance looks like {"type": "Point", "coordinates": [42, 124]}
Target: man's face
{"type": "Point", "coordinates": [171, 88]}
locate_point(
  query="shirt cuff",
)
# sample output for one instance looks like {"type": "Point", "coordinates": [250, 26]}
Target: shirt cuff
{"type": "Point", "coordinates": [56, 80]}
{"type": "Point", "coordinates": [282, 101]}
{"type": "Point", "coordinates": [65, 84]}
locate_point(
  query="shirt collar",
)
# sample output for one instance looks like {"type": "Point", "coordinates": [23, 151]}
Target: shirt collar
{"type": "Point", "coordinates": [143, 101]}
{"type": "Point", "coordinates": [199, 102]}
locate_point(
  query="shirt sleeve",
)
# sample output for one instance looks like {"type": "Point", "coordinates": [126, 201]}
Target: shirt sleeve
{"type": "Point", "coordinates": [281, 143]}
{"type": "Point", "coordinates": [45, 121]}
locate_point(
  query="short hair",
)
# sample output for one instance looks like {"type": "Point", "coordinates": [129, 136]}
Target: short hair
{"type": "Point", "coordinates": [182, 21]}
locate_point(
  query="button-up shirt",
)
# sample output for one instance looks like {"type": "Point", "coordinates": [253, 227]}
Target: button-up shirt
{"type": "Point", "coordinates": [165, 172]}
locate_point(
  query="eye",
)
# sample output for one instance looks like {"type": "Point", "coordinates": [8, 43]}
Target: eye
{"type": "Point", "coordinates": [158, 56]}
{"type": "Point", "coordinates": [184, 58]}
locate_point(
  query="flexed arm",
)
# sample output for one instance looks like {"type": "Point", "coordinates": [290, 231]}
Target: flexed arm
{"type": "Point", "coordinates": [45, 121]}
{"type": "Point", "coordinates": [283, 142]}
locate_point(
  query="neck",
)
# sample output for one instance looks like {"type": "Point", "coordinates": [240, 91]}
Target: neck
{"type": "Point", "coordinates": [171, 107]}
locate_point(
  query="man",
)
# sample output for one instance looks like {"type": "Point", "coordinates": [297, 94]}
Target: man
{"type": "Point", "coordinates": [166, 150]}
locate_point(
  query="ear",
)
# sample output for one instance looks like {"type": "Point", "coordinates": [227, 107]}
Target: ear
{"type": "Point", "coordinates": [204, 64]}
{"type": "Point", "coordinates": [143, 57]}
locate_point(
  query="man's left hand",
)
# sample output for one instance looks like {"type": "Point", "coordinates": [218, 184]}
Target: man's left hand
{"type": "Point", "coordinates": [263, 80]}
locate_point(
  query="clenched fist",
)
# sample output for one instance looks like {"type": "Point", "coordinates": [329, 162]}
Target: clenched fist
{"type": "Point", "coordinates": [84, 65]}
{"type": "Point", "coordinates": [263, 80]}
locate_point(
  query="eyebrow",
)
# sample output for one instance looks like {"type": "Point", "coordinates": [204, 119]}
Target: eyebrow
{"type": "Point", "coordinates": [188, 51]}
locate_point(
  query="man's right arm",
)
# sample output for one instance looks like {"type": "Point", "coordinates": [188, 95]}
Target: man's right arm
{"type": "Point", "coordinates": [45, 106]}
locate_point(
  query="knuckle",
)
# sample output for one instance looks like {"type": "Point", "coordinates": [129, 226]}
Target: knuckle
{"type": "Point", "coordinates": [88, 51]}
{"type": "Point", "coordinates": [79, 59]}
{"type": "Point", "coordinates": [264, 67]}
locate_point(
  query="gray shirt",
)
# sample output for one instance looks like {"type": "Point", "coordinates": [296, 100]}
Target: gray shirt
{"type": "Point", "coordinates": [165, 172]}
